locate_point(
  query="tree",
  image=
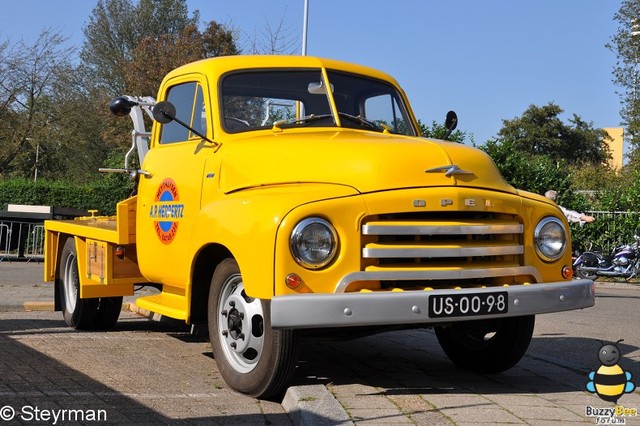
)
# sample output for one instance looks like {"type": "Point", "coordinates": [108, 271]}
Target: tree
{"type": "Point", "coordinates": [539, 131]}
{"type": "Point", "coordinates": [523, 170]}
{"type": "Point", "coordinates": [626, 45]}
{"type": "Point", "coordinates": [129, 48]}
{"type": "Point", "coordinates": [439, 131]}
{"type": "Point", "coordinates": [154, 57]}
{"type": "Point", "coordinates": [276, 39]}
{"type": "Point", "coordinates": [117, 27]}
{"type": "Point", "coordinates": [28, 99]}
{"type": "Point", "coordinates": [219, 41]}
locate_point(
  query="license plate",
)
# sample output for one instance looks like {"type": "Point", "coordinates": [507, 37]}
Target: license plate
{"type": "Point", "coordinates": [470, 304]}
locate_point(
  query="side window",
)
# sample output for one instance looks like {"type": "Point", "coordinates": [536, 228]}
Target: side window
{"type": "Point", "coordinates": [188, 99]}
{"type": "Point", "coordinates": [384, 109]}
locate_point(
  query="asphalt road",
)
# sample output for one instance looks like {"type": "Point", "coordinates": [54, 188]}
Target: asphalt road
{"type": "Point", "coordinates": [146, 372]}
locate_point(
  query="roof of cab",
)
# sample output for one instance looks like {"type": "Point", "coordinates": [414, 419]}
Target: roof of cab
{"type": "Point", "coordinates": [224, 64]}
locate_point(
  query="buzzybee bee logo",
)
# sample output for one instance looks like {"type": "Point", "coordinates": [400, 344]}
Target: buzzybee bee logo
{"type": "Point", "coordinates": [610, 381]}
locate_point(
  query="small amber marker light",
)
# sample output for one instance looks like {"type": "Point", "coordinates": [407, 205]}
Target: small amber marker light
{"type": "Point", "coordinates": [119, 252]}
{"type": "Point", "coordinates": [567, 272]}
{"type": "Point", "coordinates": [293, 281]}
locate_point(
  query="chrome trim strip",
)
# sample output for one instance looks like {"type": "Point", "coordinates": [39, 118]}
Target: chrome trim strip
{"type": "Point", "coordinates": [448, 274]}
{"type": "Point", "coordinates": [449, 170]}
{"type": "Point", "coordinates": [374, 229]}
{"type": "Point", "coordinates": [440, 252]}
{"type": "Point", "coordinates": [411, 307]}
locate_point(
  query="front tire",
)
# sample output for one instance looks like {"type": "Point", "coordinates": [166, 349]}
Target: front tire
{"type": "Point", "coordinates": [252, 357]}
{"type": "Point", "coordinates": [487, 346]}
{"type": "Point", "coordinates": [82, 314]}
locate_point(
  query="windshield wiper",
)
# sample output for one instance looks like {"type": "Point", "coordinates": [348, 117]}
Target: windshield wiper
{"type": "Point", "coordinates": [307, 119]}
{"type": "Point", "coordinates": [363, 122]}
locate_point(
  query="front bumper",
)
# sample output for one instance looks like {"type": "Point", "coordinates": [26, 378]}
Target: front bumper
{"type": "Point", "coordinates": [411, 307]}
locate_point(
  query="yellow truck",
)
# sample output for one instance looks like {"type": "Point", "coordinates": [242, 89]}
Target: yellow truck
{"type": "Point", "coordinates": [284, 195]}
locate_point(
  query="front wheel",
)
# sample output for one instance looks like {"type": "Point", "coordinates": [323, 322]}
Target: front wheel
{"type": "Point", "coordinates": [487, 346]}
{"type": "Point", "coordinates": [252, 357]}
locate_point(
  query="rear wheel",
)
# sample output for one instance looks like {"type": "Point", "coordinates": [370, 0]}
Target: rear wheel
{"type": "Point", "coordinates": [109, 309]}
{"type": "Point", "coordinates": [252, 357]}
{"type": "Point", "coordinates": [82, 314]}
{"type": "Point", "coordinates": [487, 346]}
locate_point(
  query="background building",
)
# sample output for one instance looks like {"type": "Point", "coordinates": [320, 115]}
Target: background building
{"type": "Point", "coordinates": [616, 146]}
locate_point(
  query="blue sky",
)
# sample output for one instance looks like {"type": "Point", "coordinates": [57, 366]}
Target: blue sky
{"type": "Point", "coordinates": [487, 60]}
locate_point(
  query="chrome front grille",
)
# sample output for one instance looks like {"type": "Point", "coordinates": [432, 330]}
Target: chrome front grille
{"type": "Point", "coordinates": [446, 239]}
{"type": "Point", "coordinates": [419, 251]}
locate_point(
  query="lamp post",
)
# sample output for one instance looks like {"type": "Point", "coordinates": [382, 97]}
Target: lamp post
{"type": "Point", "coordinates": [35, 174]}
{"type": "Point", "coordinates": [305, 24]}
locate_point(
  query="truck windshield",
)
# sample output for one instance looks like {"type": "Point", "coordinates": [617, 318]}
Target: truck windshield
{"type": "Point", "coordinates": [256, 100]}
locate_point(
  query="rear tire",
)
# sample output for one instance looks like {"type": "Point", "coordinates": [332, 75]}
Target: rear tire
{"type": "Point", "coordinates": [82, 314]}
{"type": "Point", "coordinates": [252, 358]}
{"type": "Point", "coordinates": [487, 346]}
{"type": "Point", "coordinates": [108, 312]}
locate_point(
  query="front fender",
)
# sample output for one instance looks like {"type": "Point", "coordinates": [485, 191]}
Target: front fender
{"type": "Point", "coordinates": [246, 223]}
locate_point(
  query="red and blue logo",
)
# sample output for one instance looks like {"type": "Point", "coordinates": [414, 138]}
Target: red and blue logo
{"type": "Point", "coordinates": [167, 210]}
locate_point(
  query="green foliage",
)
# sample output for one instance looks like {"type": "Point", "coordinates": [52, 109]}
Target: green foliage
{"type": "Point", "coordinates": [28, 113]}
{"type": "Point", "coordinates": [533, 173]}
{"type": "Point", "coordinates": [537, 152]}
{"type": "Point", "coordinates": [54, 111]}
{"type": "Point", "coordinates": [117, 27]}
{"type": "Point", "coordinates": [606, 233]}
{"type": "Point", "coordinates": [101, 195]}
{"type": "Point", "coordinates": [439, 131]}
{"type": "Point", "coordinates": [626, 45]}
{"type": "Point", "coordinates": [539, 131]}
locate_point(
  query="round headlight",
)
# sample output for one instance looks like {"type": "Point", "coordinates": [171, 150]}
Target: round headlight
{"type": "Point", "coordinates": [550, 239]}
{"type": "Point", "coordinates": [313, 242]}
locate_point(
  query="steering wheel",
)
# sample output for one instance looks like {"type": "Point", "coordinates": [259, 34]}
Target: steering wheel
{"type": "Point", "coordinates": [233, 123]}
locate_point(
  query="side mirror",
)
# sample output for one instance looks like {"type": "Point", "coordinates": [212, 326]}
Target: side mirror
{"type": "Point", "coordinates": [121, 106]}
{"type": "Point", "coordinates": [450, 123]}
{"type": "Point", "coordinates": [164, 112]}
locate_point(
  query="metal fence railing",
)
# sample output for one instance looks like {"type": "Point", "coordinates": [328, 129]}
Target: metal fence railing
{"type": "Point", "coordinates": [4, 248]}
{"type": "Point", "coordinates": [609, 230]}
{"type": "Point", "coordinates": [21, 240]}
{"type": "Point", "coordinates": [25, 240]}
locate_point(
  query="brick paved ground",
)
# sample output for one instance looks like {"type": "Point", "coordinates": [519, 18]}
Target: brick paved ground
{"type": "Point", "coordinates": [405, 379]}
{"type": "Point", "coordinates": [149, 372]}
{"type": "Point", "coordinates": [140, 373]}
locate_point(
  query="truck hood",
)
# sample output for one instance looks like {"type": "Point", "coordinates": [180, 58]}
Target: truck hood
{"type": "Point", "coordinates": [366, 161]}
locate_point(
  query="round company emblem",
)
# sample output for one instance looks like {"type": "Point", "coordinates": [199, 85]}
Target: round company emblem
{"type": "Point", "coordinates": [165, 208]}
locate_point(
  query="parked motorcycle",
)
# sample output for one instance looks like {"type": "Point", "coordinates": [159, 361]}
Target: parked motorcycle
{"type": "Point", "coordinates": [623, 262]}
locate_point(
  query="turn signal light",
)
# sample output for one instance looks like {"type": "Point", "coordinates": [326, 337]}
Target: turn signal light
{"type": "Point", "coordinates": [567, 272]}
{"type": "Point", "coordinates": [293, 281]}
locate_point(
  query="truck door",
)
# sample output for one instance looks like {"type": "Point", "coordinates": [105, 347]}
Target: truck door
{"type": "Point", "coordinates": [169, 199]}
